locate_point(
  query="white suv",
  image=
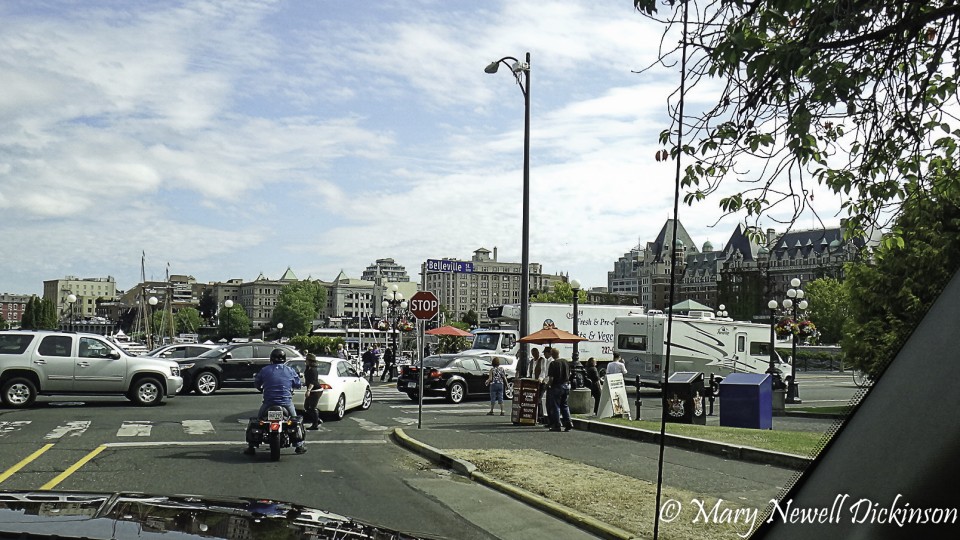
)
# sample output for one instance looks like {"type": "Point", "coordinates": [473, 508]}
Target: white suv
{"type": "Point", "coordinates": [34, 362]}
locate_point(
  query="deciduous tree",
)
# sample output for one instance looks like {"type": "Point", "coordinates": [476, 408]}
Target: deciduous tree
{"type": "Point", "coordinates": [856, 95]}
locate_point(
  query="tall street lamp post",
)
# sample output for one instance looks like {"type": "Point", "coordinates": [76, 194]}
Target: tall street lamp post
{"type": "Point", "coordinates": [392, 308]}
{"type": "Point", "coordinates": [794, 301]}
{"type": "Point", "coordinates": [575, 285]}
{"type": "Point", "coordinates": [773, 305]}
{"type": "Point", "coordinates": [225, 320]}
{"type": "Point", "coordinates": [153, 304]}
{"type": "Point", "coordinates": [521, 72]}
{"type": "Point", "coordinates": [279, 332]}
{"type": "Point", "coordinates": [71, 301]}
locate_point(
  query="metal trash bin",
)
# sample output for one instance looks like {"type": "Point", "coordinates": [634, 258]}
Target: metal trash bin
{"type": "Point", "coordinates": [746, 401]}
{"type": "Point", "coordinates": [683, 398]}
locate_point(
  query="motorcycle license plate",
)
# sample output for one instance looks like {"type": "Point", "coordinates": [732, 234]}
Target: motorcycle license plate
{"type": "Point", "coordinates": [411, 385]}
{"type": "Point", "coordinates": [274, 415]}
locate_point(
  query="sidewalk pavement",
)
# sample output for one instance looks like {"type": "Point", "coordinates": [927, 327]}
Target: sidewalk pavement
{"type": "Point", "coordinates": [746, 475]}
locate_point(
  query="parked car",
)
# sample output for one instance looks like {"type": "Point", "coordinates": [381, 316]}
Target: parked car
{"type": "Point", "coordinates": [179, 350]}
{"type": "Point", "coordinates": [231, 364]}
{"type": "Point", "coordinates": [454, 376]}
{"type": "Point", "coordinates": [35, 362]}
{"type": "Point", "coordinates": [343, 388]}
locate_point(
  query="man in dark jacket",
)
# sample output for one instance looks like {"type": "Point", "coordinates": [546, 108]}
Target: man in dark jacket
{"type": "Point", "coordinates": [558, 382]}
{"type": "Point", "coordinates": [593, 375]}
{"type": "Point", "coordinates": [389, 359]}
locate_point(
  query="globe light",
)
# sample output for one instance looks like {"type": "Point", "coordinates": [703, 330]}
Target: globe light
{"type": "Point", "coordinates": [228, 304]}
{"type": "Point", "coordinates": [152, 301]}
{"type": "Point", "coordinates": [772, 304]}
{"type": "Point", "coordinates": [795, 282]}
{"type": "Point", "coordinates": [792, 293]}
{"type": "Point", "coordinates": [788, 303]}
{"type": "Point", "coordinates": [803, 304]}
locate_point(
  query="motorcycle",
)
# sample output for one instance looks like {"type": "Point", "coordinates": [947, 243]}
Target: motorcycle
{"type": "Point", "coordinates": [277, 429]}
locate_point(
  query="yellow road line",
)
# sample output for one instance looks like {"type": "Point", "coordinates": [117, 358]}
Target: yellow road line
{"type": "Point", "coordinates": [73, 468]}
{"type": "Point", "coordinates": [23, 462]}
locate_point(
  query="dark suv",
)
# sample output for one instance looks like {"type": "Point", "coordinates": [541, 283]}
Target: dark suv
{"type": "Point", "coordinates": [231, 364]}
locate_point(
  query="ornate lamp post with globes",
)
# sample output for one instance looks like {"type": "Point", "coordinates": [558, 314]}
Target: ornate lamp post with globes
{"type": "Point", "coordinates": [794, 301]}
{"type": "Point", "coordinates": [392, 309]}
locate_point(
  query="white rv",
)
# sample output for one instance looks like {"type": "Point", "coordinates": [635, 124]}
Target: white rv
{"type": "Point", "coordinates": [701, 343]}
{"type": "Point", "coordinates": [594, 322]}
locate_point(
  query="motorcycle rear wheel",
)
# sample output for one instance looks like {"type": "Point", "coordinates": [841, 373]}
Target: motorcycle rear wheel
{"type": "Point", "coordinates": [274, 447]}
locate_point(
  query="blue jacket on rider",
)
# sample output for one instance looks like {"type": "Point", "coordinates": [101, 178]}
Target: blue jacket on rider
{"type": "Point", "coordinates": [278, 382]}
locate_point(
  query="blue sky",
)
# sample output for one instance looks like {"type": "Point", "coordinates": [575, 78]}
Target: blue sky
{"type": "Point", "coordinates": [232, 138]}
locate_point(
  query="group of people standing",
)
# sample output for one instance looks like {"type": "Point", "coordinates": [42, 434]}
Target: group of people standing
{"type": "Point", "coordinates": [557, 378]}
{"type": "Point", "coordinates": [370, 360]}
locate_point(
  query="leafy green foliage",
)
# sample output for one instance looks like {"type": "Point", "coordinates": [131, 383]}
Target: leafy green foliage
{"type": "Point", "coordinates": [234, 322]}
{"type": "Point", "coordinates": [470, 318]}
{"type": "Point", "coordinates": [829, 308]}
{"type": "Point", "coordinates": [892, 295]}
{"type": "Point", "coordinates": [318, 345]}
{"type": "Point", "coordinates": [188, 320]}
{"type": "Point", "coordinates": [852, 95]}
{"type": "Point", "coordinates": [39, 314]}
{"type": "Point", "coordinates": [298, 306]}
{"type": "Point", "coordinates": [562, 293]}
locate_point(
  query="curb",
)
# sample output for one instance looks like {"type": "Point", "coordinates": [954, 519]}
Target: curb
{"type": "Point", "coordinates": [729, 451]}
{"type": "Point", "coordinates": [578, 519]}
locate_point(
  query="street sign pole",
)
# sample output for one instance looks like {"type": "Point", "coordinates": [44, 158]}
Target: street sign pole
{"type": "Point", "coordinates": [424, 306]}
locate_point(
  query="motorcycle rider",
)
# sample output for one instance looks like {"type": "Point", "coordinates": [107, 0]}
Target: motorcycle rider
{"type": "Point", "coordinates": [278, 382]}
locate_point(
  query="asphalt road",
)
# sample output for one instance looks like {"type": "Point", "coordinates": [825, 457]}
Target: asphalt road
{"type": "Point", "coordinates": [193, 445]}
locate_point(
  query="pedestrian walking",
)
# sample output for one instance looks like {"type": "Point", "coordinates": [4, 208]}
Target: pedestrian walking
{"type": "Point", "coordinates": [496, 380]}
{"type": "Point", "coordinates": [389, 359]}
{"type": "Point", "coordinates": [341, 352]}
{"type": "Point", "coordinates": [558, 381]}
{"type": "Point", "coordinates": [312, 395]}
{"type": "Point", "coordinates": [593, 375]}
{"type": "Point", "coordinates": [369, 361]}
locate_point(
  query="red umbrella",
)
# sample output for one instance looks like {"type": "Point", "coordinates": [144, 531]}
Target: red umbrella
{"type": "Point", "coordinates": [551, 335]}
{"type": "Point", "coordinates": [448, 331]}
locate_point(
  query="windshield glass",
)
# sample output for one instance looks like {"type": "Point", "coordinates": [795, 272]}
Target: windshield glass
{"type": "Point", "coordinates": [486, 341]}
{"type": "Point", "coordinates": [437, 361]}
{"type": "Point", "coordinates": [214, 353]}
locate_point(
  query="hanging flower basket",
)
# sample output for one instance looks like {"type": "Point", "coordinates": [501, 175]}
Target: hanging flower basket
{"type": "Point", "coordinates": [383, 326]}
{"type": "Point", "coordinates": [405, 326]}
{"type": "Point", "coordinates": [784, 328]}
{"type": "Point", "coordinates": [806, 329]}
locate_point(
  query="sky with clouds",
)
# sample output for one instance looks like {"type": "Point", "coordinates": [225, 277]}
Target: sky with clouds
{"type": "Point", "coordinates": [232, 138]}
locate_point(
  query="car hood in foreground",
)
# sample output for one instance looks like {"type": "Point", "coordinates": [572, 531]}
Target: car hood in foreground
{"type": "Point", "coordinates": [64, 514]}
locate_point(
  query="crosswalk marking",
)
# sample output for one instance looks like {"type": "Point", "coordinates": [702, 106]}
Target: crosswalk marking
{"type": "Point", "coordinates": [368, 425]}
{"type": "Point", "coordinates": [135, 428]}
{"type": "Point", "coordinates": [73, 428]}
{"type": "Point", "coordinates": [11, 426]}
{"type": "Point", "coordinates": [197, 427]}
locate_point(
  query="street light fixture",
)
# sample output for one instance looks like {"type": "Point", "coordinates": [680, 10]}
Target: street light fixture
{"type": "Point", "coordinates": [71, 299]}
{"type": "Point", "coordinates": [280, 331]}
{"type": "Point", "coordinates": [794, 301]}
{"type": "Point", "coordinates": [575, 285]}
{"type": "Point", "coordinates": [773, 305]}
{"type": "Point", "coordinates": [392, 307]}
{"type": "Point", "coordinates": [521, 72]}
{"type": "Point", "coordinates": [153, 303]}
{"type": "Point", "coordinates": [722, 312]}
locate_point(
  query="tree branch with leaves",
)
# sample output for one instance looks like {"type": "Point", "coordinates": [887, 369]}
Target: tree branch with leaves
{"type": "Point", "coordinates": [859, 96]}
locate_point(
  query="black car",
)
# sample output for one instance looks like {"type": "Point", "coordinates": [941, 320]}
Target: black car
{"type": "Point", "coordinates": [231, 364]}
{"type": "Point", "coordinates": [453, 376]}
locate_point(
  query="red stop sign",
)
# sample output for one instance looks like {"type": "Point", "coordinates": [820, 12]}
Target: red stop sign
{"type": "Point", "coordinates": [424, 305]}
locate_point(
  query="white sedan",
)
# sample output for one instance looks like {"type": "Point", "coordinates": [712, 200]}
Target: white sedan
{"type": "Point", "coordinates": [343, 388]}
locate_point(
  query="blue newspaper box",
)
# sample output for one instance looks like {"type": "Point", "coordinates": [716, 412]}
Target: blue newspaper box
{"type": "Point", "coordinates": [746, 401]}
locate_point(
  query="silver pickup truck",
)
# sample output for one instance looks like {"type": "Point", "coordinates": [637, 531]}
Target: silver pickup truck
{"type": "Point", "coordinates": [35, 362]}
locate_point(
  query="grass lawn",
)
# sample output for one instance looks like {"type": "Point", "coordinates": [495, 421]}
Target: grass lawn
{"type": "Point", "coordinates": [801, 443]}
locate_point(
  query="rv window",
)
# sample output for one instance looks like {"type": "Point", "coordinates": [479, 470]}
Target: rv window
{"type": "Point", "coordinates": [632, 343]}
{"type": "Point", "coordinates": [760, 348]}
{"type": "Point", "coordinates": [742, 344]}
